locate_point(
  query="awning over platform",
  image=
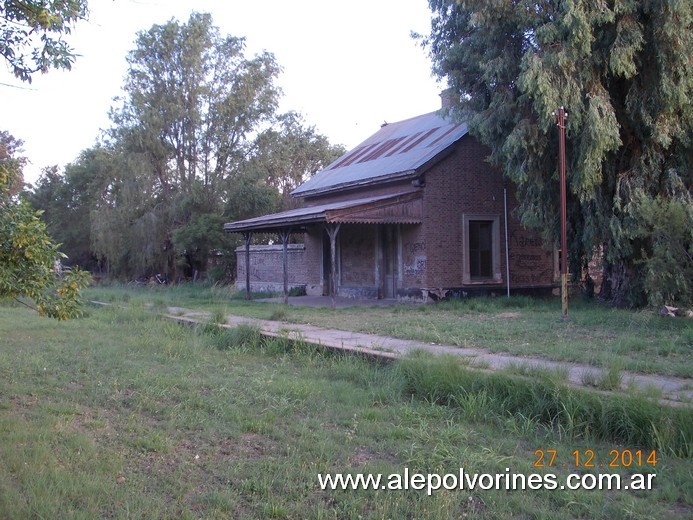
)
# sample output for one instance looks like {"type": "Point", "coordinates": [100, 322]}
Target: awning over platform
{"type": "Point", "coordinates": [402, 208]}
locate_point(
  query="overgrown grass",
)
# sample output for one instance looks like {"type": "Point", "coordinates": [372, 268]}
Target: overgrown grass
{"type": "Point", "coordinates": [124, 415]}
{"type": "Point", "coordinates": [636, 341]}
{"type": "Point", "coordinates": [240, 337]}
{"type": "Point", "coordinates": [566, 411]}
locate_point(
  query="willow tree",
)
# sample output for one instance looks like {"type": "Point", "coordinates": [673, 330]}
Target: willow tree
{"type": "Point", "coordinates": [622, 69]}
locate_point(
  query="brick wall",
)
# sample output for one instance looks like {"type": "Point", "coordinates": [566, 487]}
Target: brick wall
{"type": "Point", "coordinates": [464, 184]}
{"type": "Point", "coordinates": [414, 256]}
{"type": "Point", "coordinates": [315, 280]}
{"type": "Point", "coordinates": [357, 255]}
{"type": "Point", "coordinates": [532, 264]}
{"type": "Point", "coordinates": [267, 267]}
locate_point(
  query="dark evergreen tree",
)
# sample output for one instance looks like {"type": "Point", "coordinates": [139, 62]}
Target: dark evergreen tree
{"type": "Point", "coordinates": [622, 69]}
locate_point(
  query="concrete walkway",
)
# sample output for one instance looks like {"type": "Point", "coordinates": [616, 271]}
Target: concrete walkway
{"type": "Point", "coordinates": [326, 301]}
{"type": "Point", "coordinates": [673, 390]}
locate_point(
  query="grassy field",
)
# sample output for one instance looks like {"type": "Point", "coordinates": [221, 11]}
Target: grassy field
{"type": "Point", "coordinates": [638, 341]}
{"type": "Point", "coordinates": [122, 415]}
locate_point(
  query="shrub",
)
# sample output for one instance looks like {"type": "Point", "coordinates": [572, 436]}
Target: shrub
{"type": "Point", "coordinates": [666, 227]}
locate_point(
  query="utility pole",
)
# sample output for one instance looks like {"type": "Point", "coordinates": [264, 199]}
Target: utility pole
{"type": "Point", "coordinates": [561, 116]}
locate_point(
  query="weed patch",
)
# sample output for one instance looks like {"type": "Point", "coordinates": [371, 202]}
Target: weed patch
{"type": "Point", "coordinates": [242, 336]}
{"type": "Point", "coordinates": [218, 316]}
{"type": "Point", "coordinates": [278, 315]}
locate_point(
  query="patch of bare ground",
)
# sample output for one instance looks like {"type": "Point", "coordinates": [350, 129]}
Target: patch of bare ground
{"type": "Point", "coordinates": [362, 456]}
{"type": "Point", "coordinates": [95, 423]}
{"type": "Point", "coordinates": [681, 510]}
{"type": "Point", "coordinates": [22, 403]}
{"type": "Point", "coordinates": [250, 446]}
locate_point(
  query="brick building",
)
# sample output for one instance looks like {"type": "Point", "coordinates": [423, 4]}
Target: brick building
{"type": "Point", "coordinates": [413, 212]}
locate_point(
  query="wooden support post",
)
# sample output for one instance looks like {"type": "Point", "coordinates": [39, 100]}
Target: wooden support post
{"type": "Point", "coordinates": [284, 237]}
{"type": "Point", "coordinates": [247, 237]}
{"type": "Point", "coordinates": [560, 121]}
{"type": "Point", "coordinates": [379, 261]}
{"type": "Point", "coordinates": [332, 231]}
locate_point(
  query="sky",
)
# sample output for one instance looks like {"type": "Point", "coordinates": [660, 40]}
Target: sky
{"type": "Point", "coordinates": [348, 67]}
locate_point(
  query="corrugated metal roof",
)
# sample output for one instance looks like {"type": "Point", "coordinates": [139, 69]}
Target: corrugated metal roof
{"type": "Point", "coordinates": [334, 212]}
{"type": "Point", "coordinates": [397, 150]}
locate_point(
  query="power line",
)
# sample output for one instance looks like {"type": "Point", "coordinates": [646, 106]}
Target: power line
{"type": "Point", "coordinates": [16, 86]}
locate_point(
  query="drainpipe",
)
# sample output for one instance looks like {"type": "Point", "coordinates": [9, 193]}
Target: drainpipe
{"type": "Point", "coordinates": [507, 253]}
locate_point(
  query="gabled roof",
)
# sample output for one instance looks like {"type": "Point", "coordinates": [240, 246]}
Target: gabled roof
{"type": "Point", "coordinates": [397, 150]}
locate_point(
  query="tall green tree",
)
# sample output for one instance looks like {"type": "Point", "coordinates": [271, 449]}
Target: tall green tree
{"type": "Point", "coordinates": [622, 69]}
{"type": "Point", "coordinates": [288, 154]}
{"type": "Point", "coordinates": [193, 104]}
{"type": "Point", "coordinates": [31, 41]}
{"type": "Point", "coordinates": [192, 101]}
{"type": "Point", "coordinates": [68, 199]}
{"type": "Point", "coordinates": [32, 31]}
{"type": "Point", "coordinates": [200, 143]}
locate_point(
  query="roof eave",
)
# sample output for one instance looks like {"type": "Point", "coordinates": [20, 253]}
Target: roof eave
{"type": "Point", "coordinates": [297, 221]}
{"type": "Point", "coordinates": [430, 163]}
{"type": "Point", "coordinates": [343, 211]}
{"type": "Point", "coordinates": [356, 184]}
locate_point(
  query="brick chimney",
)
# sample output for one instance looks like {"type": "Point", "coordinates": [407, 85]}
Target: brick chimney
{"type": "Point", "coordinates": [448, 99]}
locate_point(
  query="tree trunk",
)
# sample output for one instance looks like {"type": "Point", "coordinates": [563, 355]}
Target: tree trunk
{"type": "Point", "coordinates": [616, 283]}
